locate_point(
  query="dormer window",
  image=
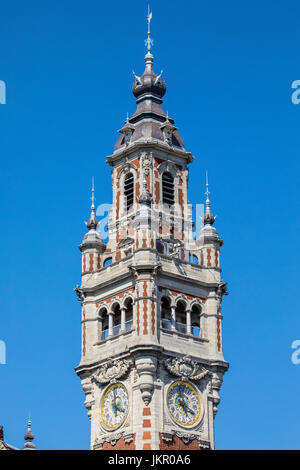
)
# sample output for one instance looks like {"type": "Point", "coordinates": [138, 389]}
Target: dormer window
{"type": "Point", "coordinates": [168, 188]}
{"type": "Point", "coordinates": [129, 191]}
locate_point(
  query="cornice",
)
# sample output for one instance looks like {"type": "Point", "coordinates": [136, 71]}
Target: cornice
{"type": "Point", "coordinates": [146, 144]}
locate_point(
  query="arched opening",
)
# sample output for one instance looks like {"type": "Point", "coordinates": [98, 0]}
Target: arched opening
{"type": "Point", "coordinates": [104, 323]}
{"type": "Point", "coordinates": [193, 259]}
{"type": "Point", "coordinates": [166, 313]}
{"type": "Point", "coordinates": [116, 319]}
{"type": "Point", "coordinates": [168, 189]}
{"type": "Point", "coordinates": [129, 190]}
{"type": "Point", "coordinates": [128, 314]}
{"type": "Point", "coordinates": [195, 320]}
{"type": "Point", "coordinates": [107, 261]}
{"type": "Point", "coordinates": [180, 316]}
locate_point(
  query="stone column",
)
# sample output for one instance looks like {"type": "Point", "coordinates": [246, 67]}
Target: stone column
{"type": "Point", "coordinates": [173, 317]}
{"type": "Point", "coordinates": [123, 319]}
{"type": "Point", "coordinates": [110, 323]}
{"type": "Point", "coordinates": [188, 322]}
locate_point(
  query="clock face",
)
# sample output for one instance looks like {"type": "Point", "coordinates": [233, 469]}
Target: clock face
{"type": "Point", "coordinates": [184, 403]}
{"type": "Point", "coordinates": [114, 406]}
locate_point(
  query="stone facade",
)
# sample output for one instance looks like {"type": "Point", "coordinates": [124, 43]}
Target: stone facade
{"type": "Point", "coordinates": [151, 297]}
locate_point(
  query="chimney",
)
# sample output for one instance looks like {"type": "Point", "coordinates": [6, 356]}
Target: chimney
{"type": "Point", "coordinates": [1, 434]}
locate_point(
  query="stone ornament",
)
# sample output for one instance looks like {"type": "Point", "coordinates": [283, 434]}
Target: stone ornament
{"type": "Point", "coordinates": [146, 369]}
{"type": "Point", "coordinates": [111, 371]}
{"type": "Point", "coordinates": [185, 437]}
{"type": "Point", "coordinates": [113, 439]}
{"type": "Point", "coordinates": [185, 368]}
{"type": "Point", "coordinates": [146, 161]}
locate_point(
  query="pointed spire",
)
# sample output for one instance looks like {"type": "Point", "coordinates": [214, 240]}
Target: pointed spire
{"type": "Point", "coordinates": [92, 223]}
{"type": "Point", "coordinates": [208, 218]}
{"type": "Point", "coordinates": [29, 436]}
{"type": "Point", "coordinates": [92, 239]}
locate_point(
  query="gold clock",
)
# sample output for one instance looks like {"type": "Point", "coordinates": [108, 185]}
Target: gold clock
{"type": "Point", "coordinates": [114, 406]}
{"type": "Point", "coordinates": [184, 403]}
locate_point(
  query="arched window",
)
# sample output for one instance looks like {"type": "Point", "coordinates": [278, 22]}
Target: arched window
{"type": "Point", "coordinates": [107, 261]}
{"type": "Point", "coordinates": [168, 188]}
{"type": "Point", "coordinates": [195, 320]}
{"type": "Point", "coordinates": [128, 314]}
{"type": "Point", "coordinates": [116, 319]}
{"type": "Point", "coordinates": [165, 313]}
{"type": "Point", "coordinates": [180, 317]}
{"type": "Point", "coordinates": [129, 190]}
{"type": "Point", "coordinates": [104, 324]}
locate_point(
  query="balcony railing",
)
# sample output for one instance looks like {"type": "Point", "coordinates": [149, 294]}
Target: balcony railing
{"type": "Point", "coordinates": [104, 334]}
{"type": "Point", "coordinates": [196, 331]}
{"type": "Point", "coordinates": [180, 327]}
{"type": "Point", "coordinates": [117, 330]}
{"type": "Point", "coordinates": [128, 325]}
{"type": "Point", "coordinates": [165, 323]}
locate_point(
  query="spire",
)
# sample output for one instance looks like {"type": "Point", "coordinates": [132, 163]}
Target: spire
{"type": "Point", "coordinates": [149, 42]}
{"type": "Point", "coordinates": [208, 218]}
{"type": "Point", "coordinates": [92, 223]}
{"type": "Point", "coordinates": [29, 436]}
{"type": "Point", "coordinates": [92, 239]}
{"type": "Point", "coordinates": [149, 85]}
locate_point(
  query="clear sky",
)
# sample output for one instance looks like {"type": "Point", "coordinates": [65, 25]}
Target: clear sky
{"type": "Point", "coordinates": [229, 67]}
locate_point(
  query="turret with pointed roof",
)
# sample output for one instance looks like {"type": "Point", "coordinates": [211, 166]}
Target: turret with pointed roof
{"type": "Point", "coordinates": [29, 437]}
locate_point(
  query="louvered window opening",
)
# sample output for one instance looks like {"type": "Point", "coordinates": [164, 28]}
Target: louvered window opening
{"type": "Point", "coordinates": [129, 190]}
{"type": "Point", "coordinates": [168, 189]}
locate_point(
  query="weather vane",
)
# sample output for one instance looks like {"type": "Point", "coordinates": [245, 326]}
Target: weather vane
{"type": "Point", "coordinates": [149, 42]}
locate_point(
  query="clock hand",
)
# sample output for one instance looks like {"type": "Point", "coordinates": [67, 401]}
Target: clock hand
{"type": "Point", "coordinates": [120, 409]}
{"type": "Point", "coordinates": [186, 407]}
{"type": "Point", "coordinates": [190, 411]}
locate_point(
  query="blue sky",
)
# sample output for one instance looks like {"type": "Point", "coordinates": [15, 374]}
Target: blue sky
{"type": "Point", "coordinates": [229, 67]}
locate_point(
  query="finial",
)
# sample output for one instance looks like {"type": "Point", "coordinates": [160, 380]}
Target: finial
{"type": "Point", "coordinates": [127, 118]}
{"type": "Point", "coordinates": [93, 195]}
{"type": "Point", "coordinates": [149, 42]}
{"type": "Point", "coordinates": [92, 223]}
{"type": "Point", "coordinates": [149, 18]}
{"type": "Point", "coordinates": [29, 436]}
{"type": "Point", "coordinates": [207, 192]}
{"type": "Point", "coordinates": [208, 218]}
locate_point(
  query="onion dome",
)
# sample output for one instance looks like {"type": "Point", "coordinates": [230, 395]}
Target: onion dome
{"type": "Point", "coordinates": [149, 83]}
{"type": "Point", "coordinates": [149, 122]}
{"type": "Point", "coordinates": [29, 436]}
{"type": "Point", "coordinates": [92, 238]}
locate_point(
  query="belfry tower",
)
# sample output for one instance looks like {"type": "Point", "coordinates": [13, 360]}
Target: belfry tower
{"type": "Point", "coordinates": [152, 363]}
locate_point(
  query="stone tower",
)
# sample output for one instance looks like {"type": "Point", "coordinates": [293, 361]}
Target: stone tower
{"type": "Point", "coordinates": [152, 363]}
